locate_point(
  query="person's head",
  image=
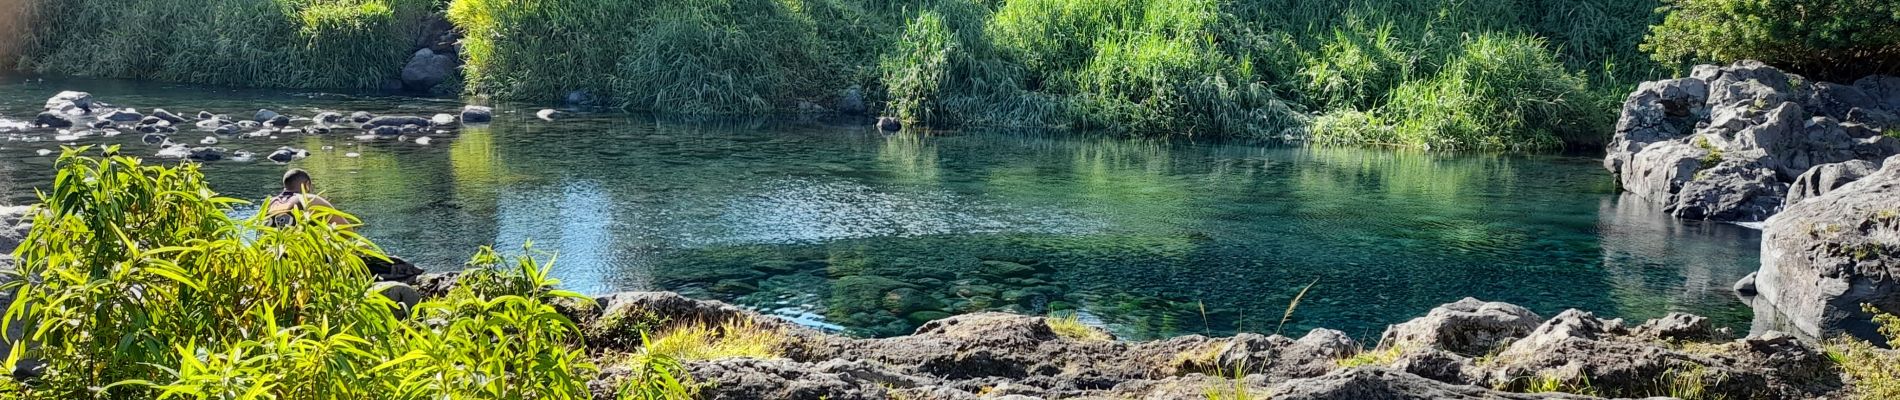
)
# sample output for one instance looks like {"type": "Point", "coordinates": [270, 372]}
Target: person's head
{"type": "Point", "coordinates": [297, 181]}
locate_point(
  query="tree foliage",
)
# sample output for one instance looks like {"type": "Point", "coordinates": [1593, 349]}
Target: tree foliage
{"type": "Point", "coordinates": [1827, 39]}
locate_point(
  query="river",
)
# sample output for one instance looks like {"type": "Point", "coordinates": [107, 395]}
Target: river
{"type": "Point", "coordinates": [837, 225]}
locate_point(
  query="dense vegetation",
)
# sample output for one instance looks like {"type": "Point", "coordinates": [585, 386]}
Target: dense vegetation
{"type": "Point", "coordinates": [269, 43]}
{"type": "Point", "coordinates": [1827, 39]}
{"type": "Point", "coordinates": [137, 285]}
{"type": "Point", "coordinates": [1460, 74]}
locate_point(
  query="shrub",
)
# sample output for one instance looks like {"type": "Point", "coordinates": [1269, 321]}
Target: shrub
{"type": "Point", "coordinates": [1828, 39]}
{"type": "Point", "coordinates": [267, 43]}
{"type": "Point", "coordinates": [135, 283]}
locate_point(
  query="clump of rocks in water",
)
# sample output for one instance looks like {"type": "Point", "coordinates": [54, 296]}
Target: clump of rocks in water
{"type": "Point", "coordinates": [1741, 142]}
{"type": "Point", "coordinates": [77, 115]}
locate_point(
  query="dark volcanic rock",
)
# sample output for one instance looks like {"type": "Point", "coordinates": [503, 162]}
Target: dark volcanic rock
{"type": "Point", "coordinates": [889, 124]}
{"type": "Point", "coordinates": [477, 114]}
{"type": "Point", "coordinates": [1469, 326]}
{"type": "Point", "coordinates": [53, 120]}
{"type": "Point", "coordinates": [167, 116]}
{"type": "Point", "coordinates": [1576, 347]}
{"type": "Point", "coordinates": [1823, 257]}
{"type": "Point", "coordinates": [278, 121]}
{"type": "Point", "coordinates": [1699, 145]}
{"type": "Point", "coordinates": [397, 121]}
{"type": "Point", "coordinates": [1826, 178]}
{"type": "Point", "coordinates": [385, 130]}
{"type": "Point", "coordinates": [1734, 190]}
{"type": "Point", "coordinates": [1372, 383]}
{"type": "Point", "coordinates": [427, 69]}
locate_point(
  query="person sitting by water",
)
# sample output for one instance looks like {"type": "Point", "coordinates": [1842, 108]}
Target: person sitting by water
{"type": "Point", "coordinates": [299, 196]}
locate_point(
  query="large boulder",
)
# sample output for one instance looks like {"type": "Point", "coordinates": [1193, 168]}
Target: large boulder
{"type": "Point", "coordinates": [1469, 327]}
{"type": "Point", "coordinates": [1823, 179]}
{"type": "Point", "coordinates": [426, 69]}
{"type": "Point", "coordinates": [1373, 383]}
{"type": "Point", "coordinates": [1673, 134]}
{"type": "Point", "coordinates": [473, 114]}
{"type": "Point", "coordinates": [1577, 348]}
{"type": "Point", "coordinates": [1734, 190]}
{"type": "Point", "coordinates": [1823, 257]}
{"type": "Point", "coordinates": [72, 103]}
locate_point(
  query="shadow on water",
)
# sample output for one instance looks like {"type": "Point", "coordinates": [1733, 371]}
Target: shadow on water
{"type": "Point", "coordinates": [838, 225]}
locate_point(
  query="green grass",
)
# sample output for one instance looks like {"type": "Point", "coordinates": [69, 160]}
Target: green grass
{"type": "Point", "coordinates": [281, 43]}
{"type": "Point", "coordinates": [1874, 372]}
{"type": "Point", "coordinates": [1071, 327]}
{"type": "Point", "coordinates": [1382, 356]}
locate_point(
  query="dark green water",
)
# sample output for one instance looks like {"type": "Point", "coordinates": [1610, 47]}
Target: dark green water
{"type": "Point", "coordinates": [842, 225]}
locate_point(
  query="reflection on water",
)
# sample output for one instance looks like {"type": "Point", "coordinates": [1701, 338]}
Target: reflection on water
{"type": "Point", "coordinates": [843, 226]}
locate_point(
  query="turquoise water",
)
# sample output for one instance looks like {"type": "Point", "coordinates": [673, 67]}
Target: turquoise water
{"type": "Point", "coordinates": [838, 225]}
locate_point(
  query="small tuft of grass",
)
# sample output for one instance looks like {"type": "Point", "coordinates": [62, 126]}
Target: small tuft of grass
{"type": "Point", "coordinates": [1692, 383]}
{"type": "Point", "coordinates": [696, 342]}
{"type": "Point", "coordinates": [1549, 382]}
{"type": "Point", "coordinates": [1381, 356]}
{"type": "Point", "coordinates": [1070, 326]}
{"type": "Point", "coordinates": [1238, 389]}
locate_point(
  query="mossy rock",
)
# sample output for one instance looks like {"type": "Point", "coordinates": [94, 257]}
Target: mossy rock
{"type": "Point", "coordinates": [1006, 269]}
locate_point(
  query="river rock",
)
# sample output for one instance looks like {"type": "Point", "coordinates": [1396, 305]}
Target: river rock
{"type": "Point", "coordinates": [1823, 257]}
{"type": "Point", "coordinates": [53, 120]}
{"type": "Point", "coordinates": [442, 120]}
{"type": "Point", "coordinates": [1659, 171]}
{"type": "Point", "coordinates": [168, 116]}
{"type": "Point", "coordinates": [286, 154]}
{"type": "Point", "coordinates": [1823, 179]}
{"type": "Point", "coordinates": [71, 103]}
{"type": "Point", "coordinates": [327, 118]}
{"type": "Point", "coordinates": [100, 124]}
{"type": "Point", "coordinates": [1746, 286]}
{"type": "Point", "coordinates": [264, 115]}
{"type": "Point", "coordinates": [889, 124]}
{"type": "Point", "coordinates": [851, 101]}
{"type": "Point", "coordinates": [473, 114]}
{"type": "Point", "coordinates": [278, 121]}
{"type": "Point", "coordinates": [226, 129]}
{"type": "Point", "coordinates": [122, 116]}
{"type": "Point", "coordinates": [1469, 326]}
{"type": "Point", "coordinates": [396, 121]}
{"type": "Point", "coordinates": [385, 130]}
{"type": "Point", "coordinates": [361, 117]}
{"type": "Point", "coordinates": [154, 138]}
{"type": "Point", "coordinates": [426, 69]}
{"type": "Point", "coordinates": [545, 114]}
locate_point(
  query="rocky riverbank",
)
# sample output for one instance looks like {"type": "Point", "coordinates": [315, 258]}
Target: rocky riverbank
{"type": "Point", "coordinates": [1739, 143]}
{"type": "Point", "coordinates": [1468, 349]}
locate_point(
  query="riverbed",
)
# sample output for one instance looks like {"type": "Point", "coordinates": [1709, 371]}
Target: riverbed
{"type": "Point", "coordinates": [834, 224]}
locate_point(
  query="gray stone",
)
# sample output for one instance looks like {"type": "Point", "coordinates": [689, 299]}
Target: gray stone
{"type": "Point", "coordinates": [426, 69]}
{"type": "Point", "coordinates": [1882, 90]}
{"type": "Point", "coordinates": [327, 118]}
{"type": "Point", "coordinates": [473, 114]}
{"type": "Point", "coordinates": [1733, 191]}
{"type": "Point", "coordinates": [1825, 178]}
{"type": "Point", "coordinates": [1659, 171]}
{"type": "Point", "coordinates": [1468, 326]}
{"type": "Point", "coordinates": [263, 115]}
{"type": "Point", "coordinates": [1746, 285]}
{"type": "Point", "coordinates": [1679, 326]}
{"type": "Point", "coordinates": [1373, 383]}
{"type": "Point", "coordinates": [397, 121]}
{"type": "Point", "coordinates": [361, 117]}
{"type": "Point", "coordinates": [889, 124]}
{"type": "Point", "coordinates": [852, 100]}
{"type": "Point", "coordinates": [1823, 257]}
{"type": "Point", "coordinates": [122, 116]}
{"type": "Point", "coordinates": [53, 120]}
{"type": "Point", "coordinates": [72, 103]}
{"type": "Point", "coordinates": [168, 116]}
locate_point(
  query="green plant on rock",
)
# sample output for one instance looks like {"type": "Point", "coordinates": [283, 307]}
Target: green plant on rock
{"type": "Point", "coordinates": [1070, 326]}
{"type": "Point", "coordinates": [1875, 372]}
{"type": "Point", "coordinates": [135, 283]}
{"type": "Point", "coordinates": [1497, 92]}
{"type": "Point", "coordinates": [1384, 355]}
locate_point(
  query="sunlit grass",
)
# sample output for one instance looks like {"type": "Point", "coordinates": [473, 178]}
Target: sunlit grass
{"type": "Point", "coordinates": [1875, 372]}
{"type": "Point", "coordinates": [1070, 326]}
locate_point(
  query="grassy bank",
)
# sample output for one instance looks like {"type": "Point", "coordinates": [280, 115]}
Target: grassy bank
{"type": "Point", "coordinates": [1455, 74]}
{"type": "Point", "coordinates": [249, 43]}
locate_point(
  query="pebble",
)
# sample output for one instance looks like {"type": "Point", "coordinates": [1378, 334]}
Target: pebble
{"type": "Point", "coordinates": [351, 155]}
{"type": "Point", "coordinates": [546, 114]}
{"type": "Point", "coordinates": [44, 152]}
{"type": "Point", "coordinates": [422, 140]}
{"type": "Point", "coordinates": [208, 141]}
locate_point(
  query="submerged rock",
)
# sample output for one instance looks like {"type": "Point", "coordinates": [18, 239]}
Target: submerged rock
{"type": "Point", "coordinates": [396, 121]}
{"type": "Point", "coordinates": [264, 115]}
{"type": "Point", "coordinates": [1825, 256]}
{"type": "Point", "coordinates": [361, 117]}
{"type": "Point", "coordinates": [167, 116]}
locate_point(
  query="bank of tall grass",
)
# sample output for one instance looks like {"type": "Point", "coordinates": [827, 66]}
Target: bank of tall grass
{"type": "Point", "coordinates": [1441, 73]}
{"type": "Point", "coordinates": [251, 43]}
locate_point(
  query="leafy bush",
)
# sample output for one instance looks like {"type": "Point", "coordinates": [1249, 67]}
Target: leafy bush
{"type": "Point", "coordinates": [267, 43]}
{"type": "Point", "coordinates": [1829, 39]}
{"type": "Point", "coordinates": [136, 283]}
